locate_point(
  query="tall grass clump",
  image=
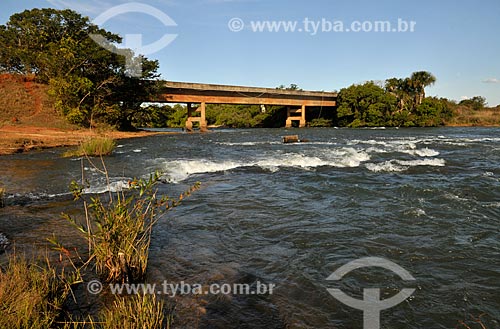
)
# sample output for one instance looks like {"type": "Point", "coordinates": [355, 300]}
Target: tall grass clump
{"type": "Point", "coordinates": [136, 312]}
{"type": "Point", "coordinates": [118, 229]}
{"type": "Point", "coordinates": [97, 146]}
{"type": "Point", "coordinates": [130, 312]}
{"type": "Point", "coordinates": [2, 195]}
{"type": "Point", "coordinates": [32, 293]}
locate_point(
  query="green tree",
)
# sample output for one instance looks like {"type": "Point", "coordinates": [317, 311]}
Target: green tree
{"type": "Point", "coordinates": [475, 103]}
{"type": "Point", "coordinates": [88, 82]}
{"type": "Point", "coordinates": [420, 80]}
{"type": "Point", "coordinates": [410, 92]}
{"type": "Point", "coordinates": [50, 42]}
{"type": "Point", "coordinates": [403, 90]}
{"type": "Point", "coordinates": [433, 112]}
{"type": "Point", "coordinates": [365, 105]}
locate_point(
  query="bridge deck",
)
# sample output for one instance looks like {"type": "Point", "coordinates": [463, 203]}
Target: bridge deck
{"type": "Point", "coordinates": [187, 92]}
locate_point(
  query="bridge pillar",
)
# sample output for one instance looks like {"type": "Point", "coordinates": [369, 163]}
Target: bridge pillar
{"type": "Point", "coordinates": [302, 122]}
{"type": "Point", "coordinates": [292, 115]}
{"type": "Point", "coordinates": [203, 119]}
{"type": "Point", "coordinates": [288, 120]}
{"type": "Point", "coordinates": [189, 123]}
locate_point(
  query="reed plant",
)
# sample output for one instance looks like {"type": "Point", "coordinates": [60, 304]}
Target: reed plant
{"type": "Point", "coordinates": [118, 228]}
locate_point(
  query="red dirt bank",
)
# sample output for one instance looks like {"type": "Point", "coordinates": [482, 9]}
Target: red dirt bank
{"type": "Point", "coordinates": [29, 121]}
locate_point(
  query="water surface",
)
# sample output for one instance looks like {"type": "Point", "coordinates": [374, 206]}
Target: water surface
{"type": "Point", "coordinates": [291, 214]}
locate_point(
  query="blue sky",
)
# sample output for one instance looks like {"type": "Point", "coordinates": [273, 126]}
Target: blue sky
{"type": "Point", "coordinates": [458, 41]}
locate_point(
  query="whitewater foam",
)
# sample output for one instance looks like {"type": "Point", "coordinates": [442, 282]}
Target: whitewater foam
{"type": "Point", "coordinates": [348, 157]}
{"type": "Point", "coordinates": [425, 152]}
{"type": "Point", "coordinates": [402, 165]}
{"type": "Point", "coordinates": [406, 146]}
{"type": "Point", "coordinates": [179, 170]}
{"type": "Point", "coordinates": [387, 166]}
{"type": "Point", "coordinates": [115, 186]}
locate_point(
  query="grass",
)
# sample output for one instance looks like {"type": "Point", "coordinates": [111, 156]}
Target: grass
{"type": "Point", "coordinates": [97, 146]}
{"type": "Point", "coordinates": [464, 116]}
{"type": "Point", "coordinates": [32, 293]}
{"type": "Point", "coordinates": [131, 312]}
{"type": "Point", "coordinates": [118, 231]}
{"type": "Point", "coordinates": [136, 312]}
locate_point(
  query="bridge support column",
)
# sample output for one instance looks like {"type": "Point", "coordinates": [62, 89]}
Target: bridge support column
{"type": "Point", "coordinates": [189, 123]}
{"type": "Point", "coordinates": [302, 122]}
{"type": "Point", "coordinates": [203, 119]}
{"type": "Point", "coordinates": [288, 120]}
{"type": "Point", "coordinates": [292, 115]}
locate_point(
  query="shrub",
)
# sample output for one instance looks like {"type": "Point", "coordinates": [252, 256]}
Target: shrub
{"type": "Point", "coordinates": [320, 122]}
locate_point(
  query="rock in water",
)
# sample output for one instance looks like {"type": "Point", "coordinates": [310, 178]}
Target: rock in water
{"type": "Point", "coordinates": [291, 139]}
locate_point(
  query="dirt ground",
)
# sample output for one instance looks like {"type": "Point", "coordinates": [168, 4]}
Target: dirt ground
{"type": "Point", "coordinates": [16, 138]}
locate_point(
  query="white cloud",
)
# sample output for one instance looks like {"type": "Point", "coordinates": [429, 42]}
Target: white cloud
{"type": "Point", "coordinates": [491, 80]}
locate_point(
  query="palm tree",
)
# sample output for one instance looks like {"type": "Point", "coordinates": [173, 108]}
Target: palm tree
{"type": "Point", "coordinates": [420, 80]}
{"type": "Point", "coordinates": [403, 90]}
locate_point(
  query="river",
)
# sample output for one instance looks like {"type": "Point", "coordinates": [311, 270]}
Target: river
{"type": "Point", "coordinates": [291, 214]}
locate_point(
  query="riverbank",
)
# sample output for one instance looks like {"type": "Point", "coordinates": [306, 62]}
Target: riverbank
{"type": "Point", "coordinates": [18, 139]}
{"type": "Point", "coordinates": [29, 121]}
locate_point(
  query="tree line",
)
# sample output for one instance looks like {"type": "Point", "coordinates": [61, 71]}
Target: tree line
{"type": "Point", "coordinates": [395, 102]}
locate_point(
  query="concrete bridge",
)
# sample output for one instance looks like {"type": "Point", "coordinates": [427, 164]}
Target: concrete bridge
{"type": "Point", "coordinates": [296, 101]}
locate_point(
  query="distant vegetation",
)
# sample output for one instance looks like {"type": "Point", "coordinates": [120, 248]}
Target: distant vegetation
{"type": "Point", "coordinates": [393, 103]}
{"type": "Point", "coordinates": [397, 102]}
{"type": "Point", "coordinates": [473, 112]}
